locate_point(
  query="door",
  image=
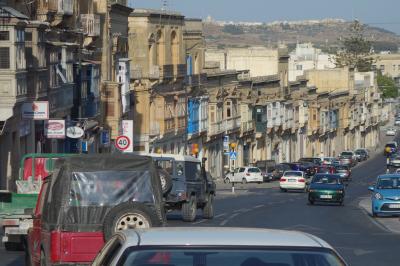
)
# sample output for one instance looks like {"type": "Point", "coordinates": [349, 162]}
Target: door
{"type": "Point", "coordinates": [34, 234]}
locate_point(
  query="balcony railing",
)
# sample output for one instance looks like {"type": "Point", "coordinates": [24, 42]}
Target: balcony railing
{"type": "Point", "coordinates": [138, 73]}
{"type": "Point", "coordinates": [216, 128]}
{"type": "Point", "coordinates": [247, 126]}
{"type": "Point", "coordinates": [91, 24]}
{"type": "Point", "coordinates": [231, 123]}
{"type": "Point", "coordinates": [180, 70]}
{"type": "Point", "coordinates": [66, 7]}
{"type": "Point", "coordinates": [195, 80]}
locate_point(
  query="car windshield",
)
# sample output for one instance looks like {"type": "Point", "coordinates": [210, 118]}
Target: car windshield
{"type": "Point", "coordinates": [293, 173]}
{"type": "Point", "coordinates": [254, 170]}
{"type": "Point", "coordinates": [389, 183]}
{"type": "Point", "coordinates": [229, 257]}
{"type": "Point", "coordinates": [342, 167]}
{"type": "Point", "coordinates": [347, 153]}
{"type": "Point", "coordinates": [391, 145]}
{"type": "Point", "coordinates": [326, 179]}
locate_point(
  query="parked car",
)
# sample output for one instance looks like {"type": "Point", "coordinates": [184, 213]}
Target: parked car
{"type": "Point", "coordinates": [361, 154]}
{"type": "Point", "coordinates": [347, 158]}
{"type": "Point", "coordinates": [386, 195]}
{"type": "Point", "coordinates": [397, 122]}
{"type": "Point", "coordinates": [245, 175]}
{"type": "Point", "coordinates": [326, 188]}
{"type": "Point", "coordinates": [390, 131]}
{"type": "Point", "coordinates": [390, 148]}
{"type": "Point", "coordinates": [292, 180]}
{"type": "Point", "coordinates": [279, 170]}
{"type": "Point", "coordinates": [314, 160]}
{"type": "Point", "coordinates": [344, 172]}
{"type": "Point", "coordinates": [267, 167]}
{"type": "Point", "coordinates": [88, 199]}
{"type": "Point", "coordinates": [326, 170]}
{"type": "Point", "coordinates": [216, 246]}
{"type": "Point", "coordinates": [191, 188]}
{"type": "Point", "coordinates": [394, 160]}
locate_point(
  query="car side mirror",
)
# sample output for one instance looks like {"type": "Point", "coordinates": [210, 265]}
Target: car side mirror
{"type": "Point", "coordinates": [371, 188]}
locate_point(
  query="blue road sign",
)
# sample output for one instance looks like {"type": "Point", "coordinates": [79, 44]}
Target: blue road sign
{"type": "Point", "coordinates": [233, 155]}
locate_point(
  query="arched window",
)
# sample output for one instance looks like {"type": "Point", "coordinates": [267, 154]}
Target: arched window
{"type": "Point", "coordinates": [175, 48]}
{"type": "Point", "coordinates": [160, 48]}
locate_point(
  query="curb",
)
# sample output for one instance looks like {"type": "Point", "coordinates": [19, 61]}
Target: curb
{"type": "Point", "coordinates": [387, 223]}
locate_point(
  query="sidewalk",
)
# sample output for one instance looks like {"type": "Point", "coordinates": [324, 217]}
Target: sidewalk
{"type": "Point", "coordinates": [389, 223]}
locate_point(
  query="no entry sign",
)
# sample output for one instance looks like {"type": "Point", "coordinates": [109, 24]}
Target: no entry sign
{"type": "Point", "coordinates": [122, 143]}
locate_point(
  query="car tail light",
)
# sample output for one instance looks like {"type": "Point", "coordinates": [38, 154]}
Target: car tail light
{"type": "Point", "coordinates": [55, 244]}
{"type": "Point", "coordinates": [302, 180]}
{"type": "Point", "coordinates": [282, 180]}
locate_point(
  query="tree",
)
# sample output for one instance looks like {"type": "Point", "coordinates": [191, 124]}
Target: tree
{"type": "Point", "coordinates": [356, 49]}
{"type": "Point", "coordinates": [387, 86]}
{"type": "Point", "coordinates": [233, 29]}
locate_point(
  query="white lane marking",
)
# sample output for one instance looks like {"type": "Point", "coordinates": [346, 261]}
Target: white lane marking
{"type": "Point", "coordinates": [258, 206]}
{"type": "Point", "coordinates": [241, 210]}
{"type": "Point", "coordinates": [199, 222]}
{"type": "Point", "coordinates": [220, 215]}
{"type": "Point", "coordinates": [224, 222]}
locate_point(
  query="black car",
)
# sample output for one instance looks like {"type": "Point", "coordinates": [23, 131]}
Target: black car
{"type": "Point", "coordinates": [361, 155]}
{"type": "Point", "coordinates": [191, 187]}
{"type": "Point", "coordinates": [267, 167]}
{"type": "Point", "coordinates": [315, 160]}
{"type": "Point", "coordinates": [277, 173]}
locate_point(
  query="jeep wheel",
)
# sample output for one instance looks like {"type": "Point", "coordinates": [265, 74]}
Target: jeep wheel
{"type": "Point", "coordinates": [129, 215]}
{"type": "Point", "coordinates": [208, 209]}
{"type": "Point", "coordinates": [189, 210]}
{"type": "Point", "coordinates": [166, 181]}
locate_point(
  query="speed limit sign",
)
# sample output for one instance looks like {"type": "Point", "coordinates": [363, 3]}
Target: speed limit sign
{"type": "Point", "coordinates": [122, 143]}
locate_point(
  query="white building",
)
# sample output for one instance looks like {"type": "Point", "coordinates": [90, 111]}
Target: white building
{"type": "Point", "coordinates": [306, 57]}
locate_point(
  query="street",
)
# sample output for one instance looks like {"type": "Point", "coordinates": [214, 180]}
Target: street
{"type": "Point", "coordinates": [358, 237]}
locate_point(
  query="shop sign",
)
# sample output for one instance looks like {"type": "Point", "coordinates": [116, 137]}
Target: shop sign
{"type": "Point", "coordinates": [75, 132]}
{"type": "Point", "coordinates": [55, 129]}
{"type": "Point", "coordinates": [36, 110]}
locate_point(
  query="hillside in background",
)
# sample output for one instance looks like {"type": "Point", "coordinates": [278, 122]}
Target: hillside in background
{"type": "Point", "coordinates": [324, 35]}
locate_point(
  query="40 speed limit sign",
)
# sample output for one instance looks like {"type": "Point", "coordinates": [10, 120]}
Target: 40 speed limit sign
{"type": "Point", "coordinates": [122, 143]}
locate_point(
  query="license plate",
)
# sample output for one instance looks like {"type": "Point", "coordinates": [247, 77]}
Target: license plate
{"type": "Point", "coordinates": [292, 180]}
{"type": "Point", "coordinates": [394, 206]}
{"type": "Point", "coordinates": [325, 196]}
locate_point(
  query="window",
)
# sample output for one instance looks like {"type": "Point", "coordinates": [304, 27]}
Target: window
{"type": "Point", "coordinates": [394, 67]}
{"type": "Point", "coordinates": [228, 112]}
{"type": "Point", "coordinates": [20, 36]}
{"type": "Point", "coordinates": [28, 36]}
{"type": "Point", "coordinates": [299, 67]}
{"type": "Point", "coordinates": [382, 67]}
{"type": "Point", "coordinates": [4, 35]}
{"type": "Point", "coordinates": [4, 57]}
{"type": "Point", "coordinates": [241, 170]}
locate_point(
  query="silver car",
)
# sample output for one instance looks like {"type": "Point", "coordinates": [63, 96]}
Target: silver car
{"type": "Point", "coordinates": [216, 246]}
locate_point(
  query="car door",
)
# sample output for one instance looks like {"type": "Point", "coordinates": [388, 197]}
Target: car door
{"type": "Point", "coordinates": [240, 175]}
{"type": "Point", "coordinates": [35, 233]}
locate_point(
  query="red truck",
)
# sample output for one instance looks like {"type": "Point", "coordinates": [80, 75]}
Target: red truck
{"type": "Point", "coordinates": [86, 200]}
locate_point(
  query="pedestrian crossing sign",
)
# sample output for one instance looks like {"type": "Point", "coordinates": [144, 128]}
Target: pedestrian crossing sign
{"type": "Point", "coordinates": [233, 155]}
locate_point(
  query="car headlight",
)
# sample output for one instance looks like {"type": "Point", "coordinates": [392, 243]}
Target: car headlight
{"type": "Point", "coordinates": [378, 196]}
{"type": "Point", "coordinates": [312, 190]}
{"type": "Point", "coordinates": [339, 191]}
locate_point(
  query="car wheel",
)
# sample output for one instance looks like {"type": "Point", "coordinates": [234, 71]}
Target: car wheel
{"type": "Point", "coordinates": [227, 180]}
{"type": "Point", "coordinates": [129, 215]}
{"type": "Point", "coordinates": [244, 181]}
{"type": "Point", "coordinates": [166, 181]}
{"type": "Point", "coordinates": [208, 209]}
{"type": "Point", "coordinates": [374, 214]}
{"type": "Point", "coordinates": [283, 190]}
{"type": "Point", "coordinates": [311, 202]}
{"type": "Point", "coordinates": [189, 210]}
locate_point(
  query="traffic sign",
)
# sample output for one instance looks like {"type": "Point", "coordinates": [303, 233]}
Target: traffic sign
{"type": "Point", "coordinates": [233, 155]}
{"type": "Point", "coordinates": [122, 143]}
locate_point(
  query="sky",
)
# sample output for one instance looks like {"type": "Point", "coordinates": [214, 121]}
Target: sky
{"type": "Point", "coordinates": [381, 13]}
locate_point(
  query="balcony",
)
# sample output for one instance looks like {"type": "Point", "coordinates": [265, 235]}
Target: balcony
{"type": "Point", "coordinates": [91, 24]}
{"type": "Point", "coordinates": [196, 80]}
{"type": "Point", "coordinates": [66, 7]}
{"type": "Point", "coordinates": [231, 124]}
{"type": "Point", "coordinates": [138, 73]}
{"type": "Point", "coordinates": [166, 71]}
{"type": "Point", "coordinates": [216, 128]}
{"type": "Point", "coordinates": [247, 126]}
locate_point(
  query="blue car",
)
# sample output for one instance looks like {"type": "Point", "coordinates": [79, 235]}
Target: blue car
{"type": "Point", "coordinates": [386, 195]}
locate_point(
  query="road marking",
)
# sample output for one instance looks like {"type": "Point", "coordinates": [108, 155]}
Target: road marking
{"type": "Point", "coordinates": [224, 222]}
{"type": "Point", "coordinates": [258, 206]}
{"type": "Point", "coordinates": [241, 210]}
{"type": "Point", "coordinates": [219, 215]}
{"type": "Point", "coordinates": [199, 222]}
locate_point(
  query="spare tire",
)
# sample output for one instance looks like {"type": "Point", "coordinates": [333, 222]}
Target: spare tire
{"type": "Point", "coordinates": [166, 181]}
{"type": "Point", "coordinates": [129, 215]}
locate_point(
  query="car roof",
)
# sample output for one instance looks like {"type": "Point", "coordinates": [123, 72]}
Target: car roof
{"type": "Point", "coordinates": [217, 236]}
{"type": "Point", "coordinates": [389, 176]}
{"type": "Point", "coordinates": [170, 156]}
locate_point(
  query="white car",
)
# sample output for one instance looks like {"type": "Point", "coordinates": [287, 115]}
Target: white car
{"type": "Point", "coordinates": [245, 175]}
{"type": "Point", "coordinates": [194, 246]}
{"type": "Point", "coordinates": [395, 161]}
{"type": "Point", "coordinates": [397, 122]}
{"type": "Point", "coordinates": [292, 180]}
{"type": "Point", "coordinates": [391, 132]}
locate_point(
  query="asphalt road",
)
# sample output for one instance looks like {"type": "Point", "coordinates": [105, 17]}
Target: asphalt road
{"type": "Point", "coordinates": [359, 238]}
